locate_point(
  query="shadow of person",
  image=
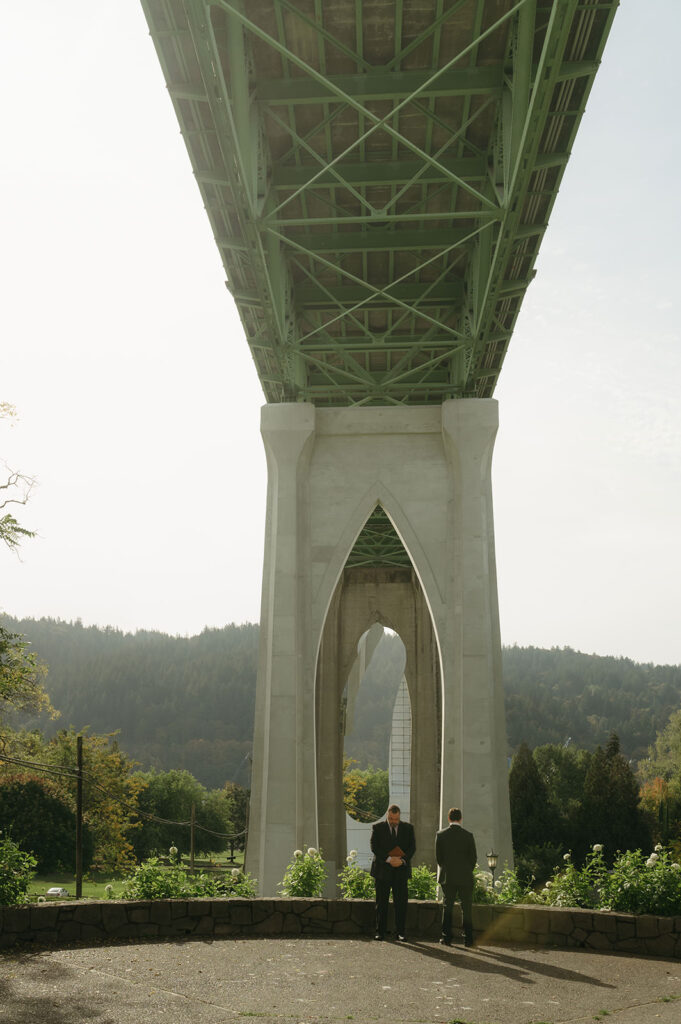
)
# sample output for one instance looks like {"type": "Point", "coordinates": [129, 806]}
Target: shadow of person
{"type": "Point", "coordinates": [550, 970]}
{"type": "Point", "coordinates": [453, 957]}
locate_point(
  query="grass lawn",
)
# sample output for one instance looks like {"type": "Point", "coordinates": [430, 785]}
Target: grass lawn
{"type": "Point", "coordinates": [95, 888]}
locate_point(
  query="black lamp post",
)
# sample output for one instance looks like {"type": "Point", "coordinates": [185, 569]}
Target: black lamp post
{"type": "Point", "coordinates": [492, 859]}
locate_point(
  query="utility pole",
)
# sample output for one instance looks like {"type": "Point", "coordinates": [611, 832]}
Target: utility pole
{"type": "Point", "coordinates": [191, 847]}
{"type": "Point", "coordinates": [79, 817]}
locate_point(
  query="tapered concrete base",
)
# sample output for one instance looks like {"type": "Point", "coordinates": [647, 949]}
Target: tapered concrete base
{"type": "Point", "coordinates": [430, 470]}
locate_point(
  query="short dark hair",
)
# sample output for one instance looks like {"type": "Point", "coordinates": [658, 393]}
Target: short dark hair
{"type": "Point", "coordinates": [454, 814]}
{"type": "Point", "coordinates": [393, 809]}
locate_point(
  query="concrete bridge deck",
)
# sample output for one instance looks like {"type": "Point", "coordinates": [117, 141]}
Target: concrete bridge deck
{"type": "Point", "coordinates": [328, 981]}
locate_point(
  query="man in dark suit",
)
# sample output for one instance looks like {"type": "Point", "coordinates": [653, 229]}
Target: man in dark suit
{"type": "Point", "coordinates": [393, 844]}
{"type": "Point", "coordinates": [456, 857]}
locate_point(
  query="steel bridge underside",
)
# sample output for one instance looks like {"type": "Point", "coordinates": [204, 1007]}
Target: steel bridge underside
{"type": "Point", "coordinates": [379, 175]}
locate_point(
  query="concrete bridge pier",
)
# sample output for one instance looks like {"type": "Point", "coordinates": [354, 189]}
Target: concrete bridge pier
{"type": "Point", "coordinates": [430, 470]}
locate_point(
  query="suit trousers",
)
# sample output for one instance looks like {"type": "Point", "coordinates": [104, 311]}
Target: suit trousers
{"type": "Point", "coordinates": [397, 882]}
{"type": "Point", "coordinates": [464, 892]}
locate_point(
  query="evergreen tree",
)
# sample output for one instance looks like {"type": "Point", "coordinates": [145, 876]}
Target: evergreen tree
{"type": "Point", "coordinates": [611, 812]}
{"type": "Point", "coordinates": [532, 819]}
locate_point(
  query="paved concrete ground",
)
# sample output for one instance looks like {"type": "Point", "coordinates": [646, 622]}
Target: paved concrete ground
{"type": "Point", "coordinates": [326, 981]}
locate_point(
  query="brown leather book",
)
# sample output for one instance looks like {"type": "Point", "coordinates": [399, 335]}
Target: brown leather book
{"type": "Point", "coordinates": [396, 851]}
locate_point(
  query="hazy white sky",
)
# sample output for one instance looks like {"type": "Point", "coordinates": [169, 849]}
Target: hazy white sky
{"type": "Point", "coordinates": [139, 405]}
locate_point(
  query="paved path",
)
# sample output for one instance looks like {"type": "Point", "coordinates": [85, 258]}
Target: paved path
{"type": "Point", "coordinates": [328, 981]}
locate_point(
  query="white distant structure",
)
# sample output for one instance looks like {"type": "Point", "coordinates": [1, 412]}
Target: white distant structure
{"type": "Point", "coordinates": [399, 778]}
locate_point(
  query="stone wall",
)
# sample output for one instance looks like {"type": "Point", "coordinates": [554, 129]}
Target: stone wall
{"type": "Point", "coordinates": [88, 921]}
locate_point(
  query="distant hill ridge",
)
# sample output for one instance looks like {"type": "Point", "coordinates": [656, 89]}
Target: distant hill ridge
{"type": "Point", "coordinates": [188, 702]}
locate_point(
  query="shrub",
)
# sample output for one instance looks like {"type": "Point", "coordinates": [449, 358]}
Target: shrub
{"type": "Point", "coordinates": [354, 882]}
{"type": "Point", "coordinates": [423, 884]}
{"type": "Point", "coordinates": [305, 875]}
{"type": "Point", "coordinates": [238, 883]}
{"type": "Point", "coordinates": [483, 889]}
{"type": "Point", "coordinates": [16, 871]}
{"type": "Point", "coordinates": [537, 863]}
{"type": "Point", "coordinates": [577, 887]}
{"type": "Point", "coordinates": [640, 885]}
{"type": "Point", "coordinates": [509, 888]}
{"type": "Point", "coordinates": [152, 881]}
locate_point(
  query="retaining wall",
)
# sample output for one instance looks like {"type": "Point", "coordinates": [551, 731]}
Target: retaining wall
{"type": "Point", "coordinates": [89, 921]}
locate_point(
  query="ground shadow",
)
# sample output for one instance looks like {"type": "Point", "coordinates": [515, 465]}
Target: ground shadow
{"type": "Point", "coordinates": [512, 965]}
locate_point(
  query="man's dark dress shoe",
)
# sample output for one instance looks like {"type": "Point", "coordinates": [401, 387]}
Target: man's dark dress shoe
{"type": "Point", "coordinates": [445, 942]}
{"type": "Point", "coordinates": [401, 938]}
{"type": "Point", "coordinates": [378, 937]}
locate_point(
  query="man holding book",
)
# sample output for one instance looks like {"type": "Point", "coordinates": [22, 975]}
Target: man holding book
{"type": "Point", "coordinates": [393, 844]}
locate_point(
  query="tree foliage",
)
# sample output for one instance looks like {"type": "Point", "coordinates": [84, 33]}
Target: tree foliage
{"type": "Point", "coordinates": [16, 871]}
{"type": "Point", "coordinates": [532, 815]}
{"type": "Point", "coordinates": [15, 489]}
{"type": "Point", "coordinates": [42, 822]}
{"type": "Point", "coordinates": [564, 799]}
{"type": "Point", "coordinates": [661, 792]}
{"type": "Point", "coordinates": [170, 796]}
{"type": "Point", "coordinates": [365, 791]}
{"type": "Point", "coordinates": [110, 794]}
{"type": "Point", "coordinates": [21, 674]}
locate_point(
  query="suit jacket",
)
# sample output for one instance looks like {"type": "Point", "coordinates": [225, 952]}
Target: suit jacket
{"type": "Point", "coordinates": [456, 856]}
{"type": "Point", "coordinates": [382, 843]}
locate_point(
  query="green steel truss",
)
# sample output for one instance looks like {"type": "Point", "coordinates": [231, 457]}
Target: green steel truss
{"type": "Point", "coordinates": [378, 544]}
{"type": "Point", "coordinates": [379, 175]}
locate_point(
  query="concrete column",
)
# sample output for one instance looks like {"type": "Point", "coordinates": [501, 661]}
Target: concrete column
{"type": "Point", "coordinates": [329, 687]}
{"type": "Point", "coordinates": [474, 761]}
{"type": "Point", "coordinates": [423, 677]}
{"type": "Point", "coordinates": [283, 784]}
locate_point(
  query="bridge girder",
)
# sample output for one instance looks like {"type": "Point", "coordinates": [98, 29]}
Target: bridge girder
{"type": "Point", "coordinates": [379, 176]}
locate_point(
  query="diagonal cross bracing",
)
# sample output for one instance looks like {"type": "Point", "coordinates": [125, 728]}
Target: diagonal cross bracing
{"type": "Point", "coordinates": [379, 176]}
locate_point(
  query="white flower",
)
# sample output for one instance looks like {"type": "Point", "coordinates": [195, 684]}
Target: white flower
{"type": "Point", "coordinates": [497, 884]}
{"type": "Point", "coordinates": [235, 872]}
{"type": "Point", "coordinates": [658, 848]}
{"type": "Point", "coordinates": [108, 888]}
{"type": "Point", "coordinates": [677, 867]}
{"type": "Point", "coordinates": [598, 848]}
{"type": "Point", "coordinates": [41, 899]}
{"type": "Point", "coordinates": [349, 859]}
{"type": "Point", "coordinates": [549, 885]}
{"type": "Point", "coordinates": [311, 852]}
{"type": "Point", "coordinates": [627, 885]}
{"type": "Point", "coordinates": [650, 862]}
{"type": "Point", "coordinates": [545, 891]}
{"type": "Point", "coordinates": [353, 853]}
{"type": "Point", "coordinates": [173, 851]}
{"type": "Point", "coordinates": [566, 856]}
{"type": "Point", "coordinates": [654, 857]}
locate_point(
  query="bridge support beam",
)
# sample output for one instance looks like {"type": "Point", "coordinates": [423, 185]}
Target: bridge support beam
{"type": "Point", "coordinates": [430, 469]}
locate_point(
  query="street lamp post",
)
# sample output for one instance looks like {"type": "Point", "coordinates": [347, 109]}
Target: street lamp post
{"type": "Point", "coordinates": [492, 859]}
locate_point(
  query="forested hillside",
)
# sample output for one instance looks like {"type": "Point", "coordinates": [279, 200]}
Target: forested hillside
{"type": "Point", "coordinates": [179, 702]}
{"type": "Point", "coordinates": [187, 702]}
{"type": "Point", "coordinates": [559, 694]}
